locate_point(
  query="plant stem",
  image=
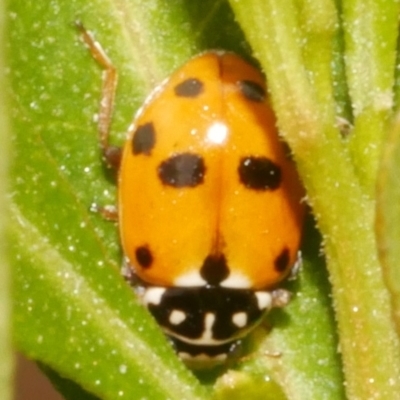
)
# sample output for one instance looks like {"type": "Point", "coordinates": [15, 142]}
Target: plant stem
{"type": "Point", "coordinates": [370, 33]}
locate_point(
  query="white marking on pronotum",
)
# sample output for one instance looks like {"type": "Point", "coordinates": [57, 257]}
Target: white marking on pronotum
{"type": "Point", "coordinates": [153, 295]}
{"type": "Point", "coordinates": [239, 319]}
{"type": "Point", "coordinates": [209, 320]}
{"type": "Point", "coordinates": [264, 300]}
{"type": "Point", "coordinates": [176, 317]}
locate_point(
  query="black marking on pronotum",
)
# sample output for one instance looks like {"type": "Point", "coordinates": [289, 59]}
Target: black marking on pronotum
{"type": "Point", "coordinates": [182, 170]}
{"type": "Point", "coordinates": [190, 87]}
{"type": "Point", "coordinates": [144, 139]}
{"type": "Point", "coordinates": [282, 261]}
{"type": "Point", "coordinates": [252, 90]}
{"type": "Point", "coordinates": [144, 256]}
{"type": "Point", "coordinates": [214, 269]}
{"type": "Point", "coordinates": [259, 173]}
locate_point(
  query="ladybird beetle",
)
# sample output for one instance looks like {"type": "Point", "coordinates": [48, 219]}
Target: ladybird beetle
{"type": "Point", "coordinates": [209, 203]}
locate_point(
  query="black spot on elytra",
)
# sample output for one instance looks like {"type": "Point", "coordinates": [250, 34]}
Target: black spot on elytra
{"type": "Point", "coordinates": [190, 87]}
{"type": "Point", "coordinates": [214, 269]}
{"type": "Point", "coordinates": [282, 261]}
{"type": "Point", "coordinates": [252, 90]}
{"type": "Point", "coordinates": [144, 256]}
{"type": "Point", "coordinates": [143, 139]}
{"type": "Point", "coordinates": [259, 173]}
{"type": "Point", "coordinates": [182, 170]}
